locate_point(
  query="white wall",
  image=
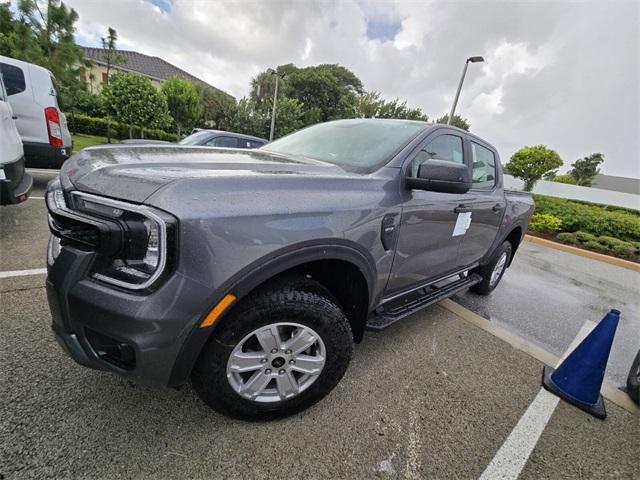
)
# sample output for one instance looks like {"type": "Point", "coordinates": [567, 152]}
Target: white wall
{"type": "Point", "coordinates": [574, 192]}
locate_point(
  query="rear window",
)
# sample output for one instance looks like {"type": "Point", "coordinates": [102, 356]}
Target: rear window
{"type": "Point", "coordinates": [196, 138]}
{"type": "Point", "coordinates": [484, 167]}
{"type": "Point", "coordinates": [226, 142]}
{"type": "Point", "coordinates": [13, 78]}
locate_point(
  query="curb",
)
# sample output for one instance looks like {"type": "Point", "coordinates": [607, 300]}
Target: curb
{"type": "Point", "coordinates": [619, 262]}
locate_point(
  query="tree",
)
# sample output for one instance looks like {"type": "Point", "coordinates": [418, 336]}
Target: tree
{"type": "Point", "coordinates": [372, 105]}
{"type": "Point", "coordinates": [531, 163]}
{"type": "Point", "coordinates": [458, 121]}
{"type": "Point", "coordinates": [217, 108]}
{"type": "Point", "coordinates": [250, 119]}
{"type": "Point", "coordinates": [290, 116]}
{"type": "Point", "coordinates": [327, 89]}
{"type": "Point", "coordinates": [183, 102]}
{"type": "Point", "coordinates": [585, 169]}
{"type": "Point", "coordinates": [51, 23]}
{"type": "Point", "coordinates": [16, 39]}
{"type": "Point", "coordinates": [133, 100]}
{"type": "Point", "coordinates": [110, 56]}
{"type": "Point", "coordinates": [253, 120]}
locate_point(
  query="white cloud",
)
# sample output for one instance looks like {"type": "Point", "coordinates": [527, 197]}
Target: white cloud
{"type": "Point", "coordinates": [560, 73]}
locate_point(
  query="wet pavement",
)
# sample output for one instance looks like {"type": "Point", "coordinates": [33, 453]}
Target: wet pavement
{"type": "Point", "coordinates": [433, 396]}
{"type": "Point", "coordinates": [547, 295]}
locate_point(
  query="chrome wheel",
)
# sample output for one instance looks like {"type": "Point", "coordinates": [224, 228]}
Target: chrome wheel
{"type": "Point", "coordinates": [276, 362]}
{"type": "Point", "coordinates": [498, 269]}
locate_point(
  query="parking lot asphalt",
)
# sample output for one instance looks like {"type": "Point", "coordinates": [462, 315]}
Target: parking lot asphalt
{"type": "Point", "coordinates": [433, 396]}
{"type": "Point", "coordinates": [546, 295]}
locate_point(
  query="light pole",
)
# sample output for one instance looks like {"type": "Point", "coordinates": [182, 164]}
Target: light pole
{"type": "Point", "coordinates": [275, 99]}
{"type": "Point", "coordinates": [464, 72]}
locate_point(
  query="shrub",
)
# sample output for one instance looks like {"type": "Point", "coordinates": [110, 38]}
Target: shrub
{"type": "Point", "coordinates": [593, 245]}
{"type": "Point", "coordinates": [612, 242]}
{"type": "Point", "coordinates": [98, 126]}
{"type": "Point", "coordinates": [544, 222]}
{"type": "Point", "coordinates": [565, 179]}
{"type": "Point", "coordinates": [585, 237]}
{"type": "Point", "coordinates": [567, 237]}
{"type": "Point", "coordinates": [624, 249]}
{"type": "Point", "coordinates": [591, 218]}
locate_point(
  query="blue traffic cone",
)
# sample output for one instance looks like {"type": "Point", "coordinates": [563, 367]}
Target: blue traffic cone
{"type": "Point", "coordinates": [578, 379]}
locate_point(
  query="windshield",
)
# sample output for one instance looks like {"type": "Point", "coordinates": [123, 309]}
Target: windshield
{"type": "Point", "coordinates": [358, 145]}
{"type": "Point", "coordinates": [195, 138]}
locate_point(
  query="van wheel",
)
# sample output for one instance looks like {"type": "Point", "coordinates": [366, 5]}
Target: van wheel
{"type": "Point", "coordinates": [493, 271]}
{"type": "Point", "coordinates": [279, 351]}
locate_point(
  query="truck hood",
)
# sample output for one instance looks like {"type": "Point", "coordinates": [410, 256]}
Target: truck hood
{"type": "Point", "coordinates": [135, 172]}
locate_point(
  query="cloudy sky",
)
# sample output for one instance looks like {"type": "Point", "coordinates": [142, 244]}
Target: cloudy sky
{"type": "Point", "coordinates": [565, 74]}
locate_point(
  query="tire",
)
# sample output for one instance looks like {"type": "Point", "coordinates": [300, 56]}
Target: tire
{"type": "Point", "coordinates": [500, 259]}
{"type": "Point", "coordinates": [294, 306]}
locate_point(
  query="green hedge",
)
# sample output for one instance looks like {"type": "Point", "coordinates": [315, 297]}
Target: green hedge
{"type": "Point", "coordinates": [602, 244]}
{"type": "Point", "coordinates": [599, 220]}
{"type": "Point", "coordinates": [79, 123]}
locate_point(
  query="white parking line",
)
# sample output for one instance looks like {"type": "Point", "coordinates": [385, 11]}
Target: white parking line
{"type": "Point", "coordinates": [516, 450]}
{"type": "Point", "coordinates": [36, 198]}
{"type": "Point", "coordinates": [23, 273]}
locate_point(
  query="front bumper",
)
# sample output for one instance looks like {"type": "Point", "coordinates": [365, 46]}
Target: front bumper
{"type": "Point", "coordinates": [15, 183]}
{"type": "Point", "coordinates": [106, 328]}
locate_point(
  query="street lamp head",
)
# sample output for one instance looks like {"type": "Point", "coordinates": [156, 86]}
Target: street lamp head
{"type": "Point", "coordinates": [271, 71]}
{"type": "Point", "coordinates": [475, 59]}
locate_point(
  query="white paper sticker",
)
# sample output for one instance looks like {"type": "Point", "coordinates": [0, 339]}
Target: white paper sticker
{"type": "Point", "coordinates": [463, 223]}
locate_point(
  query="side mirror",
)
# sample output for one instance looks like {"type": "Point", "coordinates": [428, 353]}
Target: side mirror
{"type": "Point", "coordinates": [441, 176]}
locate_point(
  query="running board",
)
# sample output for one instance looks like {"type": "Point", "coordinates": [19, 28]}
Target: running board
{"type": "Point", "coordinates": [391, 312]}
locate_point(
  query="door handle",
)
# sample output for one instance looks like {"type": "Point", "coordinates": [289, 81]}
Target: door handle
{"type": "Point", "coordinates": [15, 117]}
{"type": "Point", "coordinates": [497, 208]}
{"type": "Point", "coordinates": [462, 208]}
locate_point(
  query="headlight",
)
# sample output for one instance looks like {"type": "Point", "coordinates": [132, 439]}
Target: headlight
{"type": "Point", "coordinates": [147, 238]}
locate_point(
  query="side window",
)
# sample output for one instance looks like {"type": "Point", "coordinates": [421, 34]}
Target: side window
{"type": "Point", "coordinates": [13, 78]}
{"type": "Point", "coordinates": [484, 167]}
{"type": "Point", "coordinates": [253, 144]}
{"type": "Point", "coordinates": [227, 142]}
{"type": "Point", "coordinates": [444, 147]}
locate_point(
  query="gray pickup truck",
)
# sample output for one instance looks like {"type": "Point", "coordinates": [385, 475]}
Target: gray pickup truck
{"type": "Point", "coordinates": [253, 272]}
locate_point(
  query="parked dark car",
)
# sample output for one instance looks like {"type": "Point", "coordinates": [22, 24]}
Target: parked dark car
{"type": "Point", "coordinates": [209, 138]}
{"type": "Point", "coordinates": [220, 138]}
{"type": "Point", "coordinates": [253, 272]}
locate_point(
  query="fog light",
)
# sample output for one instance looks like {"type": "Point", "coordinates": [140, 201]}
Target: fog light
{"type": "Point", "coordinates": [53, 249]}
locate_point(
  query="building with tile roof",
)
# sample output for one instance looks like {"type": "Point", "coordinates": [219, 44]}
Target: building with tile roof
{"type": "Point", "coordinates": [154, 68]}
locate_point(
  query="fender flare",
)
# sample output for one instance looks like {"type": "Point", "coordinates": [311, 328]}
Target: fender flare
{"type": "Point", "coordinates": [258, 272]}
{"type": "Point", "coordinates": [500, 240]}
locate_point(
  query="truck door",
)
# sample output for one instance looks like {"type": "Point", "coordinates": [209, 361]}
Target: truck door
{"type": "Point", "coordinates": [426, 247]}
{"type": "Point", "coordinates": [486, 203]}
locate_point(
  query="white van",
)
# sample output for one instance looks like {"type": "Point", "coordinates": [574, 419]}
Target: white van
{"type": "Point", "coordinates": [15, 183]}
{"type": "Point", "coordinates": [43, 128]}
